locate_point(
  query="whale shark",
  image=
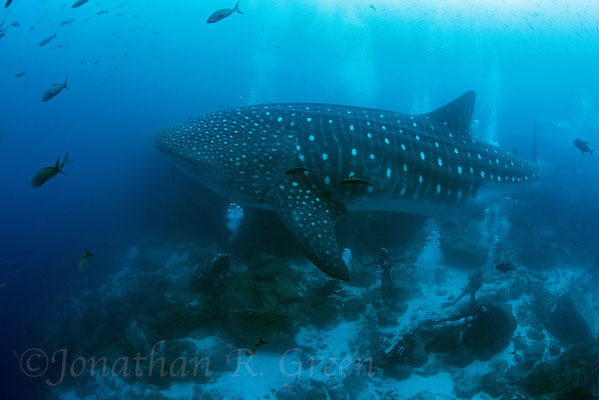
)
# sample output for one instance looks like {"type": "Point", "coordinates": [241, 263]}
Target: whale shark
{"type": "Point", "coordinates": [312, 163]}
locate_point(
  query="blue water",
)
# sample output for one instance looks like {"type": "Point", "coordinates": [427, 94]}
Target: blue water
{"type": "Point", "coordinates": [146, 64]}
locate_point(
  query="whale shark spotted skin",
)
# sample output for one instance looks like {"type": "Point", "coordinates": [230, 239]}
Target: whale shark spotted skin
{"type": "Point", "coordinates": [313, 162]}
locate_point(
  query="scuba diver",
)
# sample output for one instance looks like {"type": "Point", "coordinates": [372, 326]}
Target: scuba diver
{"type": "Point", "coordinates": [475, 282]}
{"type": "Point", "coordinates": [385, 262]}
{"type": "Point", "coordinates": [444, 332]}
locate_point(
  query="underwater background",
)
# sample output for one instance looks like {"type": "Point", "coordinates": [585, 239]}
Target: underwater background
{"type": "Point", "coordinates": [135, 67]}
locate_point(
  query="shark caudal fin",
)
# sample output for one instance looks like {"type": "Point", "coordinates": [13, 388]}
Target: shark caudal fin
{"type": "Point", "coordinates": [236, 8]}
{"type": "Point", "coordinates": [534, 156]}
{"type": "Point", "coordinates": [88, 253]}
{"type": "Point", "coordinates": [310, 217]}
{"type": "Point", "coordinates": [455, 115]}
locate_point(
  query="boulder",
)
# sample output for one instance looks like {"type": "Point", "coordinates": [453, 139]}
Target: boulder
{"type": "Point", "coordinates": [353, 308]}
{"type": "Point", "coordinates": [517, 289]}
{"type": "Point", "coordinates": [491, 332]}
{"type": "Point", "coordinates": [466, 386]}
{"type": "Point", "coordinates": [400, 372]}
{"type": "Point", "coordinates": [567, 324]}
{"type": "Point", "coordinates": [387, 317]}
{"type": "Point", "coordinates": [494, 384]}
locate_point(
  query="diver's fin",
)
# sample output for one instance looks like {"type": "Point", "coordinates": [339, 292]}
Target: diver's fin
{"type": "Point", "coordinates": [533, 156]}
{"type": "Point", "coordinates": [310, 217]}
{"type": "Point", "coordinates": [236, 8]}
{"type": "Point", "coordinates": [456, 115]}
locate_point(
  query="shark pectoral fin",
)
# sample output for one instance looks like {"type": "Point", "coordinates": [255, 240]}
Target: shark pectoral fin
{"type": "Point", "coordinates": [310, 218]}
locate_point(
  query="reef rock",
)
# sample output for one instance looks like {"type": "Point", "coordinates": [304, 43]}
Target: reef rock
{"type": "Point", "coordinates": [491, 332]}
{"type": "Point", "coordinates": [567, 324]}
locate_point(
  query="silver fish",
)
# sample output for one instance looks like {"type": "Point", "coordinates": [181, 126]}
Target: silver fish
{"type": "Point", "coordinates": [84, 260]}
{"type": "Point", "coordinates": [53, 90]}
{"type": "Point", "coordinates": [223, 13]}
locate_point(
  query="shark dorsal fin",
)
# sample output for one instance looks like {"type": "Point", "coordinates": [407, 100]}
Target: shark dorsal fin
{"type": "Point", "coordinates": [455, 115]}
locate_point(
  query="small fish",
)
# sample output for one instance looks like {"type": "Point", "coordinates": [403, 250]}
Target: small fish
{"type": "Point", "coordinates": [53, 90]}
{"type": "Point", "coordinates": [63, 45]}
{"type": "Point", "coordinates": [371, 6]}
{"type": "Point", "coordinates": [505, 267]}
{"type": "Point", "coordinates": [352, 180]}
{"type": "Point", "coordinates": [298, 170]}
{"type": "Point", "coordinates": [102, 12]}
{"type": "Point", "coordinates": [254, 348]}
{"type": "Point", "coordinates": [15, 24]}
{"type": "Point", "coordinates": [7, 3]}
{"type": "Point", "coordinates": [45, 174]}
{"type": "Point", "coordinates": [223, 13]}
{"type": "Point", "coordinates": [583, 146]}
{"type": "Point", "coordinates": [84, 260]}
{"type": "Point", "coordinates": [67, 21]}
{"type": "Point", "coordinates": [19, 74]}
{"type": "Point", "coordinates": [79, 3]}
{"type": "Point", "coordinates": [46, 40]}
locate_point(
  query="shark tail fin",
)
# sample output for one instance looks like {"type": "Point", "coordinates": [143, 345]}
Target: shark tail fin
{"type": "Point", "coordinates": [236, 8]}
{"type": "Point", "coordinates": [58, 166]}
{"type": "Point", "coordinates": [534, 156]}
{"type": "Point", "coordinates": [88, 253]}
{"type": "Point", "coordinates": [64, 85]}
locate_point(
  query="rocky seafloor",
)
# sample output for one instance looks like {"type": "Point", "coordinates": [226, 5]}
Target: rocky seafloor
{"type": "Point", "coordinates": [534, 334]}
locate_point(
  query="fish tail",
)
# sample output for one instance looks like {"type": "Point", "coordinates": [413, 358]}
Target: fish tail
{"type": "Point", "coordinates": [66, 160]}
{"type": "Point", "coordinates": [88, 253]}
{"type": "Point", "coordinates": [58, 166]}
{"type": "Point", "coordinates": [64, 85]}
{"type": "Point", "coordinates": [236, 8]}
